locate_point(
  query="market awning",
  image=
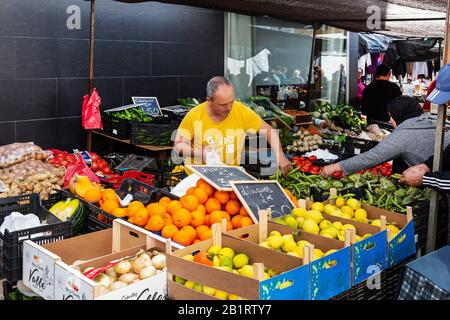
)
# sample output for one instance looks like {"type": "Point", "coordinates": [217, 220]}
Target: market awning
{"type": "Point", "coordinates": [403, 18]}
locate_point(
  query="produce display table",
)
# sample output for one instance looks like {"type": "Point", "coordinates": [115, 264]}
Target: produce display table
{"type": "Point", "coordinates": [428, 277]}
{"type": "Point", "coordinates": [160, 150]}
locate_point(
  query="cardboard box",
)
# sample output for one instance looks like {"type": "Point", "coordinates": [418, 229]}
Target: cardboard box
{"type": "Point", "coordinates": [40, 262]}
{"type": "Point", "coordinates": [329, 275]}
{"type": "Point", "coordinates": [294, 279]}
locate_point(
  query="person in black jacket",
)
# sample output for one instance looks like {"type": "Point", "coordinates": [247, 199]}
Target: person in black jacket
{"type": "Point", "coordinates": [377, 95]}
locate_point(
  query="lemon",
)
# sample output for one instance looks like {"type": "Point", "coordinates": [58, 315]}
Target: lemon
{"type": "Point", "coordinates": [240, 260]}
{"type": "Point", "coordinates": [294, 253]}
{"type": "Point", "coordinates": [266, 276]}
{"type": "Point", "coordinates": [311, 226]}
{"type": "Point", "coordinates": [358, 238]}
{"type": "Point", "coordinates": [330, 252]}
{"type": "Point", "coordinates": [302, 243]}
{"type": "Point", "coordinates": [331, 232]}
{"type": "Point", "coordinates": [209, 291]}
{"type": "Point", "coordinates": [300, 222]}
{"type": "Point", "coordinates": [346, 216]}
{"type": "Point", "coordinates": [299, 251]}
{"type": "Point", "coordinates": [221, 295]}
{"type": "Point", "coordinates": [341, 237]}
{"type": "Point", "coordinates": [314, 215]}
{"type": "Point", "coordinates": [353, 203]}
{"type": "Point", "coordinates": [289, 246]}
{"type": "Point", "coordinates": [275, 241]}
{"type": "Point", "coordinates": [189, 257]}
{"type": "Point", "coordinates": [329, 208]}
{"type": "Point", "coordinates": [233, 297]}
{"type": "Point", "coordinates": [361, 215]}
{"type": "Point", "coordinates": [325, 224]}
{"type": "Point", "coordinates": [246, 271]}
{"type": "Point", "coordinates": [340, 202]}
{"type": "Point", "coordinates": [337, 213]}
{"type": "Point", "coordinates": [348, 210]}
{"type": "Point", "coordinates": [198, 287]}
{"type": "Point", "coordinates": [265, 244]}
{"type": "Point", "coordinates": [348, 227]}
{"type": "Point", "coordinates": [226, 261]}
{"type": "Point", "coordinates": [317, 206]}
{"type": "Point", "coordinates": [227, 252]}
{"type": "Point", "coordinates": [291, 222]}
{"type": "Point", "coordinates": [189, 284]}
{"type": "Point", "coordinates": [227, 269]}
{"type": "Point", "coordinates": [367, 235]}
{"type": "Point", "coordinates": [318, 254]}
{"type": "Point", "coordinates": [273, 233]}
{"type": "Point", "coordinates": [299, 212]}
{"type": "Point", "coordinates": [394, 229]}
{"type": "Point", "coordinates": [337, 225]}
{"type": "Point", "coordinates": [376, 223]}
{"type": "Point", "coordinates": [214, 250]}
{"type": "Point", "coordinates": [326, 235]}
{"type": "Point", "coordinates": [288, 237]}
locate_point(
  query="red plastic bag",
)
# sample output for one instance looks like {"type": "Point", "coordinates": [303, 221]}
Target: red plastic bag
{"type": "Point", "coordinates": [90, 111]}
{"type": "Point", "coordinates": [80, 168]}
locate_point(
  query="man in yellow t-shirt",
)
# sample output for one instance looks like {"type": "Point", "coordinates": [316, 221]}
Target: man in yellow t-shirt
{"type": "Point", "coordinates": [218, 127]}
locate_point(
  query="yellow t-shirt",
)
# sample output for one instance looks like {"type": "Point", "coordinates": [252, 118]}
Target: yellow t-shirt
{"type": "Point", "coordinates": [227, 138]}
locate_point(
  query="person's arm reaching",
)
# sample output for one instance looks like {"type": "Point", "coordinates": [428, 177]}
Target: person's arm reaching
{"type": "Point", "coordinates": [274, 141]}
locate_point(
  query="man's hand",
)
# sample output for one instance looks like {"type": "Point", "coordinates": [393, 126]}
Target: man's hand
{"type": "Point", "coordinates": [330, 169]}
{"type": "Point", "coordinates": [285, 165]}
{"type": "Point", "coordinates": [413, 176]}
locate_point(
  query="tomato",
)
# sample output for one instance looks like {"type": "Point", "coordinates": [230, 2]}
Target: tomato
{"type": "Point", "coordinates": [94, 156]}
{"type": "Point", "coordinates": [312, 158]}
{"type": "Point", "coordinates": [51, 161]}
{"type": "Point", "coordinates": [107, 171]}
{"type": "Point", "coordinates": [65, 163]}
{"type": "Point", "coordinates": [315, 170]}
{"type": "Point", "coordinates": [94, 166]}
{"type": "Point", "coordinates": [301, 159]}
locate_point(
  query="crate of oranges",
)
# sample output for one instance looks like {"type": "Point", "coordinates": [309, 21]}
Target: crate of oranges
{"type": "Point", "coordinates": [188, 220]}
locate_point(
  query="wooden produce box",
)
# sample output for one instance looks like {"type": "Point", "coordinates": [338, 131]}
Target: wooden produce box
{"type": "Point", "coordinates": [291, 284]}
{"type": "Point", "coordinates": [329, 275]}
{"type": "Point", "coordinates": [48, 269]}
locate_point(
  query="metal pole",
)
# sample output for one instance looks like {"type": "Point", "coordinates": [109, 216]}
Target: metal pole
{"type": "Point", "coordinates": [311, 62]}
{"type": "Point", "coordinates": [438, 146]}
{"type": "Point", "coordinates": [91, 66]}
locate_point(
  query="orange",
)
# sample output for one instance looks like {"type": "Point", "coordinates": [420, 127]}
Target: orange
{"type": "Point", "coordinates": [207, 223]}
{"type": "Point", "coordinates": [191, 231]}
{"type": "Point", "coordinates": [173, 205]}
{"type": "Point", "coordinates": [120, 212]}
{"type": "Point", "coordinates": [165, 201]}
{"type": "Point", "coordinates": [201, 208]}
{"type": "Point", "coordinates": [109, 194]}
{"type": "Point", "coordinates": [189, 202]}
{"type": "Point", "coordinates": [141, 217]}
{"type": "Point", "coordinates": [290, 195]}
{"type": "Point", "coordinates": [207, 234]}
{"type": "Point", "coordinates": [233, 196]}
{"type": "Point", "coordinates": [205, 186]}
{"type": "Point", "coordinates": [134, 206]}
{"type": "Point", "coordinates": [235, 221]}
{"type": "Point", "coordinates": [196, 240]}
{"type": "Point", "coordinates": [222, 196]}
{"type": "Point", "coordinates": [198, 218]}
{"type": "Point", "coordinates": [245, 221]}
{"type": "Point", "coordinates": [167, 219]}
{"type": "Point", "coordinates": [226, 215]}
{"type": "Point", "coordinates": [130, 220]}
{"type": "Point", "coordinates": [155, 223]}
{"type": "Point", "coordinates": [156, 209]}
{"type": "Point", "coordinates": [212, 205]}
{"type": "Point", "coordinates": [232, 207]}
{"type": "Point", "coordinates": [295, 201]}
{"type": "Point", "coordinates": [101, 217]}
{"type": "Point", "coordinates": [182, 237]}
{"type": "Point", "coordinates": [243, 212]}
{"type": "Point", "coordinates": [200, 229]}
{"type": "Point", "coordinates": [201, 195]}
{"type": "Point", "coordinates": [92, 195]}
{"type": "Point", "coordinates": [215, 217]}
{"type": "Point", "coordinates": [190, 191]}
{"type": "Point", "coordinates": [229, 226]}
{"type": "Point", "coordinates": [181, 217]}
{"type": "Point", "coordinates": [109, 206]}
{"type": "Point", "coordinates": [168, 231]}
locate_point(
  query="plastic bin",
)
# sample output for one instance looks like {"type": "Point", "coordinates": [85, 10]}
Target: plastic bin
{"type": "Point", "coordinates": [11, 243]}
{"type": "Point", "coordinates": [115, 182]}
{"type": "Point", "coordinates": [138, 163]}
{"type": "Point", "coordinates": [152, 134]}
{"type": "Point", "coordinates": [118, 128]}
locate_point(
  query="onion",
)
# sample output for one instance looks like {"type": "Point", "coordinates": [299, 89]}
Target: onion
{"type": "Point", "coordinates": [128, 278]}
{"type": "Point", "coordinates": [110, 272]}
{"type": "Point", "coordinates": [159, 261]}
{"type": "Point", "coordinates": [139, 263]}
{"type": "Point", "coordinates": [117, 285]}
{"type": "Point", "coordinates": [103, 290]}
{"type": "Point", "coordinates": [103, 280]}
{"type": "Point", "coordinates": [135, 281]}
{"type": "Point", "coordinates": [122, 267]}
{"type": "Point", "coordinates": [145, 256]}
{"type": "Point", "coordinates": [147, 272]}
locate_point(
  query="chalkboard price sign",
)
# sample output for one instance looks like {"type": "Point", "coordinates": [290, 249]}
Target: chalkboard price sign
{"type": "Point", "coordinates": [220, 176]}
{"type": "Point", "coordinates": [263, 195]}
{"type": "Point", "coordinates": [149, 105]}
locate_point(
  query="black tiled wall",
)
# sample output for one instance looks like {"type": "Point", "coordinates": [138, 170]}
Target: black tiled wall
{"type": "Point", "coordinates": [142, 49]}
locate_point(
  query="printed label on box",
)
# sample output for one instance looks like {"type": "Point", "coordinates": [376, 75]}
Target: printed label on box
{"type": "Point", "coordinates": [69, 286]}
{"type": "Point", "coordinates": [368, 254]}
{"type": "Point", "coordinates": [331, 275]}
{"type": "Point", "coordinates": [402, 246]}
{"type": "Point", "coordinates": [290, 285]}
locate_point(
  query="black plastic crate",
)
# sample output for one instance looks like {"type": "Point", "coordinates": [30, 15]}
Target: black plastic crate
{"type": "Point", "coordinates": [393, 277]}
{"type": "Point", "coordinates": [351, 144]}
{"type": "Point", "coordinates": [362, 292]}
{"type": "Point", "coordinates": [152, 134]}
{"type": "Point", "coordinates": [79, 220]}
{"type": "Point", "coordinates": [11, 243]}
{"type": "Point", "coordinates": [139, 163]}
{"type": "Point", "coordinates": [346, 295]}
{"type": "Point", "coordinates": [118, 128]}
